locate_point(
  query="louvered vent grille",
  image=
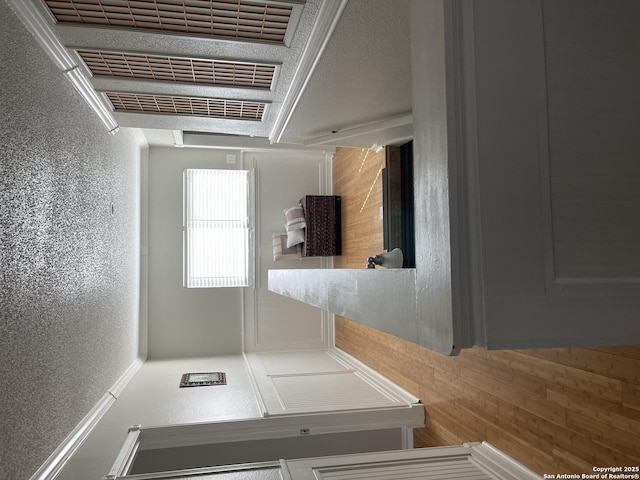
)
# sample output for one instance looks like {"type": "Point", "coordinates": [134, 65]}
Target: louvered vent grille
{"type": "Point", "coordinates": [236, 19]}
{"type": "Point", "coordinates": [176, 69]}
{"type": "Point", "coordinates": [191, 106]}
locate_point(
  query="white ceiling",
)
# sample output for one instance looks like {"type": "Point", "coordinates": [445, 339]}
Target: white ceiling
{"type": "Point", "coordinates": [357, 93]}
{"type": "Point", "coordinates": [363, 79]}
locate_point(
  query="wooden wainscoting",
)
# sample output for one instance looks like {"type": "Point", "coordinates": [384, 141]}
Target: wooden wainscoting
{"type": "Point", "coordinates": [554, 410]}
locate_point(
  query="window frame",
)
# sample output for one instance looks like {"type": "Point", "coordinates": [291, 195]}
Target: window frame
{"type": "Point", "coordinates": [250, 227]}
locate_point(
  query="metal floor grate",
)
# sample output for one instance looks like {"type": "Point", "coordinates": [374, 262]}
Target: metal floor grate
{"type": "Point", "coordinates": [236, 19]}
{"type": "Point", "coordinates": [179, 69]}
{"type": "Point", "coordinates": [191, 106]}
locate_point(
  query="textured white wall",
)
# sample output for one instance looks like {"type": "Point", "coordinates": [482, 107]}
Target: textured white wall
{"type": "Point", "coordinates": [433, 179]}
{"type": "Point", "coordinates": [184, 322]}
{"type": "Point", "coordinates": [153, 398]}
{"type": "Point", "coordinates": [69, 269]}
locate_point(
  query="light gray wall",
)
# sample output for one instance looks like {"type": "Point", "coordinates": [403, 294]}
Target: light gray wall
{"type": "Point", "coordinates": [69, 269]}
{"type": "Point", "coordinates": [265, 450]}
{"type": "Point", "coordinates": [593, 96]}
{"type": "Point", "coordinates": [557, 162]}
{"type": "Point", "coordinates": [153, 398]}
{"type": "Point", "coordinates": [274, 322]}
{"type": "Point", "coordinates": [184, 322]}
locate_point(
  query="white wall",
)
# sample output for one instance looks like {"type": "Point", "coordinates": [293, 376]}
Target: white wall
{"type": "Point", "coordinates": [68, 266]}
{"type": "Point", "coordinates": [199, 322]}
{"type": "Point", "coordinates": [153, 398]}
{"type": "Point", "coordinates": [556, 151]}
{"type": "Point", "coordinates": [274, 322]}
{"type": "Point", "coordinates": [184, 322]}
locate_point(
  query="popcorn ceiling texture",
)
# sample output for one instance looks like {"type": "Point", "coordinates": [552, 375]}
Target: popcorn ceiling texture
{"type": "Point", "coordinates": [68, 267]}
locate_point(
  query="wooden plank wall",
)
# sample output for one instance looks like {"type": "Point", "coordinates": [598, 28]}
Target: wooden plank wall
{"type": "Point", "coordinates": [554, 410]}
{"type": "Point", "coordinates": [357, 177]}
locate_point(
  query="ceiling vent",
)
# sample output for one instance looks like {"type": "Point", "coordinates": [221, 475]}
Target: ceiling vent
{"type": "Point", "coordinates": [179, 69]}
{"type": "Point", "coordinates": [190, 106]}
{"type": "Point", "coordinates": [232, 19]}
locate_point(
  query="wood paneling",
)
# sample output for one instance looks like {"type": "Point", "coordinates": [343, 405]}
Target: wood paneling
{"type": "Point", "coordinates": [554, 410]}
{"type": "Point", "coordinates": [357, 177]}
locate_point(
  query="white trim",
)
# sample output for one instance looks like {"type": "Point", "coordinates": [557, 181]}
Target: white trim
{"type": "Point", "coordinates": [294, 19]}
{"type": "Point", "coordinates": [467, 266]}
{"type": "Point", "coordinates": [364, 465]}
{"type": "Point", "coordinates": [247, 144]}
{"type": "Point", "coordinates": [326, 174]}
{"type": "Point", "coordinates": [455, 138]}
{"type": "Point", "coordinates": [93, 99]}
{"type": "Point", "coordinates": [233, 471]}
{"type": "Point", "coordinates": [182, 435]}
{"type": "Point", "coordinates": [487, 460]}
{"type": "Point", "coordinates": [178, 138]}
{"type": "Point", "coordinates": [329, 327]}
{"type": "Point", "coordinates": [127, 453]}
{"type": "Point", "coordinates": [407, 438]}
{"type": "Point", "coordinates": [500, 463]}
{"type": "Point", "coordinates": [376, 378]}
{"type": "Point", "coordinates": [373, 127]}
{"type": "Point", "coordinates": [331, 330]}
{"type": "Point", "coordinates": [53, 465]}
{"type": "Point", "coordinates": [325, 23]}
{"type": "Point", "coordinates": [284, 471]}
{"type": "Point", "coordinates": [326, 188]}
{"type": "Point", "coordinates": [276, 77]}
{"type": "Point", "coordinates": [249, 316]}
{"type": "Point", "coordinates": [254, 386]}
{"type": "Point", "coordinates": [125, 378]}
{"type": "Point", "coordinates": [140, 138]}
{"type": "Point", "coordinates": [41, 30]}
{"type": "Point", "coordinates": [143, 321]}
{"type": "Point", "coordinates": [121, 467]}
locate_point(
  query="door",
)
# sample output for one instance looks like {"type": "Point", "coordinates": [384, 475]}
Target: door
{"type": "Point", "coordinates": [479, 461]}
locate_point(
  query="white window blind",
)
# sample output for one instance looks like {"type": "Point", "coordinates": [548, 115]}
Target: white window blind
{"type": "Point", "coordinates": [217, 228]}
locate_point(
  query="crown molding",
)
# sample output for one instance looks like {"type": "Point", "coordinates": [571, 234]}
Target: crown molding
{"type": "Point", "coordinates": [40, 28]}
{"type": "Point", "coordinates": [377, 126]}
{"type": "Point", "coordinates": [326, 21]}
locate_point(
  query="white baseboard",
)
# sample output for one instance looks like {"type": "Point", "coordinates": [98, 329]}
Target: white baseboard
{"type": "Point", "coordinates": [254, 385]}
{"type": "Point", "coordinates": [376, 376]}
{"type": "Point", "coordinates": [50, 469]}
{"type": "Point", "coordinates": [407, 438]}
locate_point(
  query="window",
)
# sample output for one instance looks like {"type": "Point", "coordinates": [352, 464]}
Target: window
{"type": "Point", "coordinates": [218, 238]}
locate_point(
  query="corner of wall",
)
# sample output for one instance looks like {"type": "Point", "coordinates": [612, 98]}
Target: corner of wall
{"type": "Point", "coordinates": [143, 312]}
{"type": "Point", "coordinates": [50, 469]}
